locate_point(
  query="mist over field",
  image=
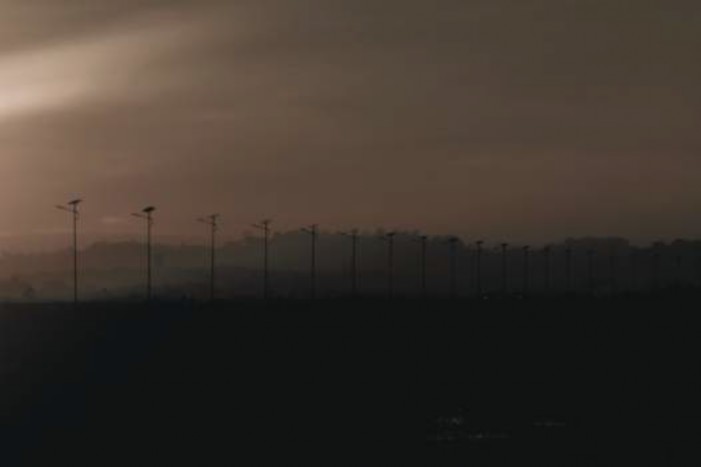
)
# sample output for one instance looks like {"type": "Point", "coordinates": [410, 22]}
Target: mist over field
{"type": "Point", "coordinates": [116, 270]}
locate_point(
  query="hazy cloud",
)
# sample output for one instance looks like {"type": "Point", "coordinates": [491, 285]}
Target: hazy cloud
{"type": "Point", "coordinates": [501, 118]}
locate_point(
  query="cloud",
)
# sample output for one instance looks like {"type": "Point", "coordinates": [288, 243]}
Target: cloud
{"type": "Point", "coordinates": [293, 108]}
{"type": "Point", "coordinates": [112, 65]}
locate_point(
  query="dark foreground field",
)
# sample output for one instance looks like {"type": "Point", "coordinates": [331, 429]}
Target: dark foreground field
{"type": "Point", "coordinates": [558, 382]}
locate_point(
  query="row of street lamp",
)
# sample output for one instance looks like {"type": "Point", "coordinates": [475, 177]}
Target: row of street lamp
{"type": "Point", "coordinates": [147, 215]}
{"type": "Point", "coordinates": [264, 226]}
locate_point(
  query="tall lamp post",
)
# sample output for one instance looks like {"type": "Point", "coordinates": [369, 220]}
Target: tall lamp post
{"type": "Point", "coordinates": [213, 222]}
{"type": "Point", "coordinates": [590, 267]}
{"type": "Point", "coordinates": [478, 267]}
{"type": "Point", "coordinates": [568, 269]}
{"type": "Point", "coordinates": [72, 208]}
{"type": "Point", "coordinates": [313, 231]}
{"type": "Point", "coordinates": [353, 235]}
{"type": "Point", "coordinates": [264, 226]}
{"type": "Point", "coordinates": [423, 250]}
{"type": "Point", "coordinates": [526, 270]}
{"type": "Point", "coordinates": [546, 268]}
{"type": "Point", "coordinates": [389, 238]}
{"type": "Point", "coordinates": [147, 215]}
{"type": "Point", "coordinates": [613, 272]}
{"type": "Point", "coordinates": [504, 269]}
{"type": "Point", "coordinates": [453, 243]}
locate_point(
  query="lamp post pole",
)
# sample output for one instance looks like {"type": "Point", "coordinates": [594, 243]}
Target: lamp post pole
{"type": "Point", "coordinates": [353, 235]}
{"type": "Point", "coordinates": [546, 259]}
{"type": "Point", "coordinates": [478, 268]}
{"type": "Point", "coordinates": [453, 242]}
{"type": "Point", "coordinates": [312, 230]}
{"type": "Point", "coordinates": [147, 215]}
{"type": "Point", "coordinates": [423, 250]}
{"type": "Point", "coordinates": [72, 208]}
{"type": "Point", "coordinates": [568, 269]}
{"type": "Point", "coordinates": [264, 226]}
{"type": "Point", "coordinates": [213, 222]}
{"type": "Point", "coordinates": [389, 238]}
{"type": "Point", "coordinates": [526, 270]}
{"type": "Point", "coordinates": [504, 283]}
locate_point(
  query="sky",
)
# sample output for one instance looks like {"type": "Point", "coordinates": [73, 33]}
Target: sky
{"type": "Point", "coordinates": [529, 120]}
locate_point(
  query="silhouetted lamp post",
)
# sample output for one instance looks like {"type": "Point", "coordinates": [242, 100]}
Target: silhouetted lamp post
{"type": "Point", "coordinates": [353, 235]}
{"type": "Point", "coordinates": [264, 226]}
{"type": "Point", "coordinates": [478, 267]}
{"type": "Point", "coordinates": [657, 265]}
{"type": "Point", "coordinates": [213, 222]}
{"type": "Point", "coordinates": [568, 269]}
{"type": "Point", "coordinates": [633, 264]}
{"type": "Point", "coordinates": [546, 268]}
{"type": "Point", "coordinates": [504, 269]}
{"type": "Point", "coordinates": [613, 273]}
{"type": "Point", "coordinates": [72, 207]}
{"type": "Point", "coordinates": [423, 243]}
{"type": "Point", "coordinates": [389, 238]}
{"type": "Point", "coordinates": [590, 267]}
{"type": "Point", "coordinates": [453, 244]}
{"type": "Point", "coordinates": [312, 230]}
{"type": "Point", "coordinates": [147, 215]}
{"type": "Point", "coordinates": [526, 269]}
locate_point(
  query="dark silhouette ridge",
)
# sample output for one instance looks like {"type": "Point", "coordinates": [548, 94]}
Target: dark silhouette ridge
{"type": "Point", "coordinates": [587, 265]}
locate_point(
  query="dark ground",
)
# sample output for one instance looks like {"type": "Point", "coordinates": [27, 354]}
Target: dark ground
{"type": "Point", "coordinates": [559, 382]}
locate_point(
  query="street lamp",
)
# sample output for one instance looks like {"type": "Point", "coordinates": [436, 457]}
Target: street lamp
{"type": "Point", "coordinates": [526, 269]}
{"type": "Point", "coordinates": [313, 231]}
{"type": "Point", "coordinates": [504, 284]}
{"type": "Point", "coordinates": [264, 226]}
{"type": "Point", "coordinates": [72, 208]}
{"type": "Point", "coordinates": [613, 271]}
{"type": "Point", "coordinates": [147, 215]}
{"type": "Point", "coordinates": [478, 267]}
{"type": "Point", "coordinates": [590, 267]}
{"type": "Point", "coordinates": [546, 268]}
{"type": "Point", "coordinates": [353, 235]}
{"type": "Point", "coordinates": [213, 222]}
{"type": "Point", "coordinates": [568, 269]}
{"type": "Point", "coordinates": [423, 242]}
{"type": "Point", "coordinates": [389, 238]}
{"type": "Point", "coordinates": [453, 243]}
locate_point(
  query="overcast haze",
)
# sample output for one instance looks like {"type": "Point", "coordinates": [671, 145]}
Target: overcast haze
{"type": "Point", "coordinates": [530, 120]}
